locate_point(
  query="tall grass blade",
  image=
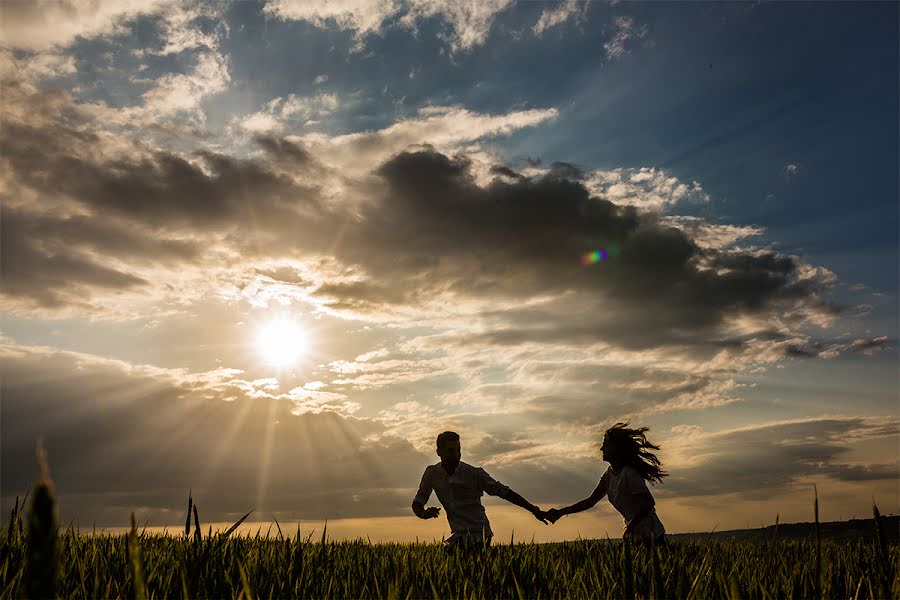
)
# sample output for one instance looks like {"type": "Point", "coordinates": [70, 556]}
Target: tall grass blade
{"type": "Point", "coordinates": [818, 574]}
{"type": "Point", "coordinates": [656, 581]}
{"type": "Point", "coordinates": [135, 564]}
{"type": "Point", "coordinates": [702, 572]}
{"type": "Point", "coordinates": [41, 570]}
{"type": "Point", "coordinates": [772, 546]}
{"type": "Point", "coordinates": [734, 589]}
{"type": "Point", "coordinates": [197, 534]}
{"type": "Point", "coordinates": [239, 521]}
{"type": "Point", "coordinates": [278, 525]}
{"type": "Point", "coordinates": [519, 593]}
{"type": "Point", "coordinates": [12, 520]}
{"type": "Point", "coordinates": [885, 559]}
{"type": "Point", "coordinates": [21, 510]}
{"type": "Point", "coordinates": [187, 521]}
{"type": "Point", "coordinates": [185, 592]}
{"type": "Point", "coordinates": [247, 591]}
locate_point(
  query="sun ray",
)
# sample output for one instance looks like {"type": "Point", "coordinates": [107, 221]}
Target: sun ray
{"type": "Point", "coordinates": [227, 440]}
{"type": "Point", "coordinates": [266, 456]}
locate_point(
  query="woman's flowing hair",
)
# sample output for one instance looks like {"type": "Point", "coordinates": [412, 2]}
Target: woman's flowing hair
{"type": "Point", "coordinates": [635, 450]}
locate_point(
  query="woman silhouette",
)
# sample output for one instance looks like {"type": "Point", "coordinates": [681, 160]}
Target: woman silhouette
{"type": "Point", "coordinates": [631, 464]}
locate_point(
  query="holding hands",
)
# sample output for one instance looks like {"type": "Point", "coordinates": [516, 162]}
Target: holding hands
{"type": "Point", "coordinates": [553, 515]}
{"type": "Point", "coordinates": [540, 515]}
{"type": "Point", "coordinates": [547, 516]}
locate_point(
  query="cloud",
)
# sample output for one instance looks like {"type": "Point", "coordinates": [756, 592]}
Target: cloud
{"type": "Point", "coordinates": [176, 93]}
{"type": "Point", "coordinates": [625, 33]}
{"type": "Point", "coordinates": [59, 263]}
{"type": "Point", "coordinates": [279, 111]}
{"type": "Point", "coordinates": [764, 459]}
{"type": "Point", "coordinates": [212, 432]}
{"type": "Point", "coordinates": [173, 431]}
{"type": "Point", "coordinates": [559, 14]}
{"type": "Point", "coordinates": [713, 235]}
{"type": "Point", "coordinates": [85, 210]}
{"type": "Point", "coordinates": [335, 222]}
{"type": "Point", "coordinates": [444, 127]}
{"type": "Point", "coordinates": [646, 188]}
{"type": "Point", "coordinates": [790, 170]}
{"type": "Point", "coordinates": [361, 16]}
{"type": "Point", "coordinates": [35, 67]}
{"type": "Point", "coordinates": [365, 375]}
{"type": "Point", "coordinates": [181, 28]}
{"type": "Point", "coordinates": [524, 238]}
{"type": "Point", "coordinates": [469, 22]}
{"type": "Point", "coordinates": [40, 26]}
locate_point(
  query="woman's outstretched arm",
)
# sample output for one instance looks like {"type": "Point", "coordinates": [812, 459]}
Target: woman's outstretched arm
{"type": "Point", "coordinates": [555, 513]}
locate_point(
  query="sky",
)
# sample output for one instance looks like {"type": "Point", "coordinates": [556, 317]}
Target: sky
{"type": "Point", "coordinates": [264, 252]}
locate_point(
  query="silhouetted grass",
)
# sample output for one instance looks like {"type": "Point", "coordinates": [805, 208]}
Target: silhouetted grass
{"type": "Point", "coordinates": [41, 561]}
{"type": "Point", "coordinates": [140, 565]}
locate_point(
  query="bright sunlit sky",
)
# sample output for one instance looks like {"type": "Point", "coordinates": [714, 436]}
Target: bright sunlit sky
{"type": "Point", "coordinates": [267, 251]}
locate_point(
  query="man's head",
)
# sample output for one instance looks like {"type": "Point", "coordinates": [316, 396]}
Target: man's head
{"type": "Point", "coordinates": [448, 448]}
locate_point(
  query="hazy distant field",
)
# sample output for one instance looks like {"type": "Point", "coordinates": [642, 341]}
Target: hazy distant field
{"type": "Point", "coordinates": [156, 566]}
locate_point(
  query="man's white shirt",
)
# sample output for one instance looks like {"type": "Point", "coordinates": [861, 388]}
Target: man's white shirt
{"type": "Point", "coordinates": [460, 494]}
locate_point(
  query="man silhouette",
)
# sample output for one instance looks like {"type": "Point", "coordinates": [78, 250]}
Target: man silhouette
{"type": "Point", "coordinates": [459, 487]}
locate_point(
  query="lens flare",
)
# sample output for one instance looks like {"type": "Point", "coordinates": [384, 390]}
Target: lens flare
{"type": "Point", "coordinates": [594, 256]}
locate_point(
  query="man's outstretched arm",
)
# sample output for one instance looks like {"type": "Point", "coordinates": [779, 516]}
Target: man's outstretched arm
{"type": "Point", "coordinates": [495, 488]}
{"type": "Point", "coordinates": [432, 512]}
{"type": "Point", "coordinates": [514, 498]}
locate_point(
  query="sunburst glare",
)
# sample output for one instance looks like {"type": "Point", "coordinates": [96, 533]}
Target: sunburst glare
{"type": "Point", "coordinates": [281, 341]}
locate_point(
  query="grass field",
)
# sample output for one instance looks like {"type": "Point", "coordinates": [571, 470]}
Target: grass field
{"type": "Point", "coordinates": [38, 559]}
{"type": "Point", "coordinates": [156, 566]}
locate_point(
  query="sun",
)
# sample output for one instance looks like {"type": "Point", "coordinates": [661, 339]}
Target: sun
{"type": "Point", "coordinates": [281, 342]}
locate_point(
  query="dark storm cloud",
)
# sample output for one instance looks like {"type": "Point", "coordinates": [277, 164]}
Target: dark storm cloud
{"type": "Point", "coordinates": [284, 151]}
{"type": "Point", "coordinates": [53, 149]}
{"type": "Point", "coordinates": [506, 172]}
{"type": "Point", "coordinates": [122, 438]}
{"type": "Point", "coordinates": [436, 229]}
{"type": "Point", "coordinates": [51, 270]}
{"type": "Point", "coordinates": [763, 460]}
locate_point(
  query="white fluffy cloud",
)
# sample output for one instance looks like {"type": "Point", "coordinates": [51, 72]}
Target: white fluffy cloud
{"type": "Point", "coordinates": [645, 188]}
{"type": "Point", "coordinates": [469, 22]}
{"type": "Point", "coordinates": [447, 128]}
{"type": "Point", "coordinates": [183, 92]}
{"type": "Point", "coordinates": [362, 16]}
{"type": "Point", "coordinates": [559, 13]}
{"type": "Point", "coordinates": [278, 112]}
{"type": "Point", "coordinates": [713, 235]}
{"type": "Point", "coordinates": [41, 25]}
